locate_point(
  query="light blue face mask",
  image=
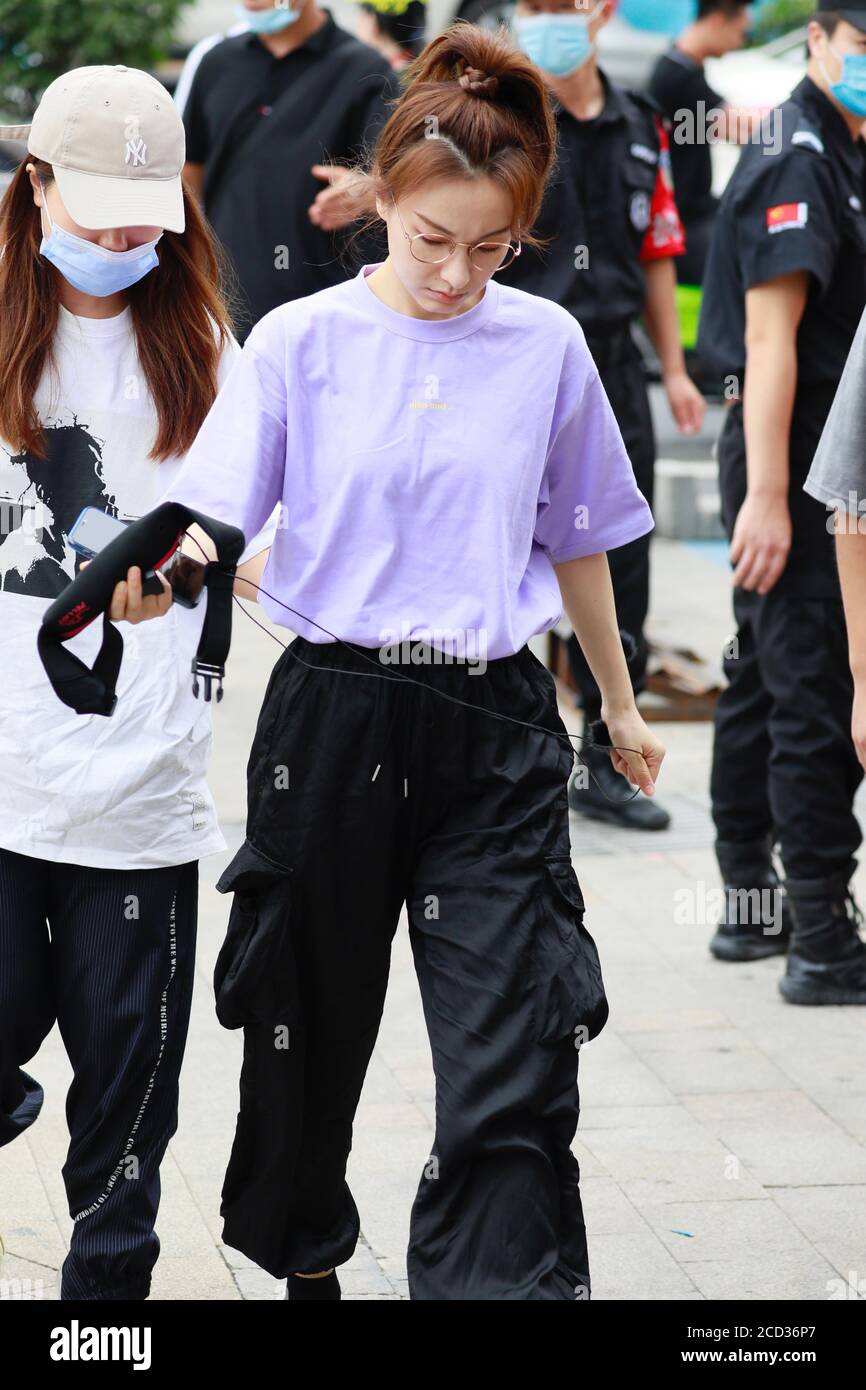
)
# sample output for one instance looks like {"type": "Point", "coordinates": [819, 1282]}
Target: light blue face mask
{"type": "Point", "coordinates": [267, 21]}
{"type": "Point", "coordinates": [94, 269]}
{"type": "Point", "coordinates": [850, 90]}
{"type": "Point", "coordinates": [557, 43]}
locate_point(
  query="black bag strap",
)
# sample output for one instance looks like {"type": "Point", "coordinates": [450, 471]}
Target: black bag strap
{"type": "Point", "coordinates": [216, 634]}
{"type": "Point", "coordinates": [85, 690]}
{"type": "Point", "coordinates": [148, 543]}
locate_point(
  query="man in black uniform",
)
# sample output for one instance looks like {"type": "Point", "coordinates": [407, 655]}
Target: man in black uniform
{"type": "Point", "coordinates": [784, 291]}
{"type": "Point", "coordinates": [698, 113]}
{"type": "Point", "coordinates": [267, 112]}
{"type": "Point", "coordinates": [610, 212]}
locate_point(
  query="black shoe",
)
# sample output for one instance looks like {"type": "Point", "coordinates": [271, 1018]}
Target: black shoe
{"type": "Point", "coordinates": [756, 917]}
{"type": "Point", "coordinates": [597, 791]}
{"type": "Point", "coordinates": [827, 957]}
{"type": "Point", "coordinates": [325, 1289]}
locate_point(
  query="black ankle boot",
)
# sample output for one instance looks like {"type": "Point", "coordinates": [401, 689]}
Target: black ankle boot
{"type": "Point", "coordinates": [756, 919]}
{"type": "Point", "coordinates": [826, 957]}
{"type": "Point", "coordinates": [597, 791]}
{"type": "Point", "coordinates": [325, 1289]}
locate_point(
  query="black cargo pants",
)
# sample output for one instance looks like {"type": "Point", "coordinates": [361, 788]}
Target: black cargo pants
{"type": "Point", "coordinates": [363, 794]}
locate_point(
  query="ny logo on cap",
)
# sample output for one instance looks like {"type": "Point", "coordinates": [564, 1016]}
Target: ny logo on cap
{"type": "Point", "coordinates": [136, 150]}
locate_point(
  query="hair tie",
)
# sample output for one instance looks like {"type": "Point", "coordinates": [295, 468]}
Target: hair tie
{"type": "Point", "coordinates": [474, 80]}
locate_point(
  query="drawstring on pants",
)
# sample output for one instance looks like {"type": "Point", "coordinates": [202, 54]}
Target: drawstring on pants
{"type": "Point", "coordinates": [407, 731]}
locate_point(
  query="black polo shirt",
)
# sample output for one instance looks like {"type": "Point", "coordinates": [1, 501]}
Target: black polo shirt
{"type": "Point", "coordinates": [801, 208]}
{"type": "Point", "coordinates": [678, 85]}
{"type": "Point", "coordinates": [596, 207]}
{"type": "Point", "coordinates": [257, 123]}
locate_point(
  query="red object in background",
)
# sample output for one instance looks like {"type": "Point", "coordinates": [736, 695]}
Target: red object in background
{"type": "Point", "coordinates": [666, 234]}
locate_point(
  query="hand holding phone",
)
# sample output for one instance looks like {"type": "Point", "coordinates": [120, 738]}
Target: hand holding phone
{"type": "Point", "coordinates": [94, 529]}
{"type": "Point", "coordinates": [130, 604]}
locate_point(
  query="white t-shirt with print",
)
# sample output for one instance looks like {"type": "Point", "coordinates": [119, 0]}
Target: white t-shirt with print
{"type": "Point", "coordinates": [128, 791]}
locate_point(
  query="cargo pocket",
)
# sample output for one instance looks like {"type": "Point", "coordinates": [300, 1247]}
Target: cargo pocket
{"type": "Point", "coordinates": [255, 977]}
{"type": "Point", "coordinates": [567, 988]}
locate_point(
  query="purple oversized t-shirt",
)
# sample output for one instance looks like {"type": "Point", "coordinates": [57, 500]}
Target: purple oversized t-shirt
{"type": "Point", "coordinates": [431, 472]}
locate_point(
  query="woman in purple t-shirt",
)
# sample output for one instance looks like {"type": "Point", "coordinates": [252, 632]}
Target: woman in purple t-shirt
{"type": "Point", "coordinates": [450, 475]}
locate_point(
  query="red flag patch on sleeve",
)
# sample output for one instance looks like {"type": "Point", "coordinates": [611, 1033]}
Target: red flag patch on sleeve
{"type": "Point", "coordinates": [786, 216]}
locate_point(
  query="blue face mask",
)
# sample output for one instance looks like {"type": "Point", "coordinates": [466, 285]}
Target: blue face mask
{"type": "Point", "coordinates": [557, 43]}
{"type": "Point", "coordinates": [94, 269]}
{"type": "Point", "coordinates": [267, 21]}
{"type": "Point", "coordinates": [850, 90]}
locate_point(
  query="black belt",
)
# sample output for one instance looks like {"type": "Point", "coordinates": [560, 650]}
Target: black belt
{"type": "Point", "coordinates": [609, 348]}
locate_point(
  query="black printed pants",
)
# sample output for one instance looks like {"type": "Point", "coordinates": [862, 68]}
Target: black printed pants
{"type": "Point", "coordinates": [363, 794]}
{"type": "Point", "coordinates": [116, 973]}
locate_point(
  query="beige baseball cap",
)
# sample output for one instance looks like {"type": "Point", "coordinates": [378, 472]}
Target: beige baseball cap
{"type": "Point", "coordinates": [116, 142]}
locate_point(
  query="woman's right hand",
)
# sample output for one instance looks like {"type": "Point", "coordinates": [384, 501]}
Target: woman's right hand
{"type": "Point", "coordinates": [129, 605]}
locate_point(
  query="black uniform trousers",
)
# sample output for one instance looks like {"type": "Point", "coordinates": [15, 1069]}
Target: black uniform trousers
{"type": "Point", "coordinates": [783, 758]}
{"type": "Point", "coordinates": [363, 794]}
{"type": "Point", "coordinates": [622, 376]}
{"type": "Point", "coordinates": [116, 973]}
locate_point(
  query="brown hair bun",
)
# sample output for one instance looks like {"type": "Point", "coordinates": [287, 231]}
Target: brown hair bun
{"type": "Point", "coordinates": [478, 82]}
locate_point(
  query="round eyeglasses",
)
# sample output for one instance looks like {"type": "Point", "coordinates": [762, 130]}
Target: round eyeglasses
{"type": "Point", "coordinates": [487, 256]}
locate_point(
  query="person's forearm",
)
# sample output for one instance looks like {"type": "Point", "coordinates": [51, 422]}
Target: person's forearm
{"type": "Point", "coordinates": [251, 570]}
{"type": "Point", "coordinates": [851, 555]}
{"type": "Point", "coordinates": [587, 597]}
{"type": "Point", "coordinates": [660, 314]}
{"type": "Point", "coordinates": [768, 402]}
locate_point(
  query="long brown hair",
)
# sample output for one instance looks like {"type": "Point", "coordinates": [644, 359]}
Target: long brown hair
{"type": "Point", "coordinates": [472, 105]}
{"type": "Point", "coordinates": [179, 317]}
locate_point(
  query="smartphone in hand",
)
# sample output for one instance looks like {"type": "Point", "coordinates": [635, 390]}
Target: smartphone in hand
{"type": "Point", "coordinates": [94, 530]}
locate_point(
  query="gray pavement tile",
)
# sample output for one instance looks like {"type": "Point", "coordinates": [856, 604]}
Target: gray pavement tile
{"type": "Point", "coordinates": [364, 1282]}
{"type": "Point", "coordinates": [667, 1155]}
{"type": "Point", "coordinates": [404, 1115]}
{"type": "Point", "coordinates": [199, 1276]}
{"type": "Point", "coordinates": [371, 1297]}
{"type": "Point", "coordinates": [24, 1200]}
{"type": "Point", "coordinates": [35, 1242]}
{"type": "Point", "coordinates": [833, 1219]}
{"type": "Point", "coordinates": [787, 1275]}
{"type": "Point", "coordinates": [781, 1137]}
{"type": "Point", "coordinates": [606, 1209]}
{"type": "Point", "coordinates": [661, 1020]}
{"type": "Point", "coordinates": [395, 1272]}
{"type": "Point", "coordinates": [724, 1230]}
{"type": "Point", "coordinates": [23, 1281]}
{"type": "Point", "coordinates": [613, 1075]}
{"type": "Point", "coordinates": [234, 1258]}
{"type": "Point", "coordinates": [707, 1059]}
{"type": "Point", "coordinates": [847, 1111]}
{"type": "Point", "coordinates": [258, 1286]}
{"type": "Point", "coordinates": [636, 1265]}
